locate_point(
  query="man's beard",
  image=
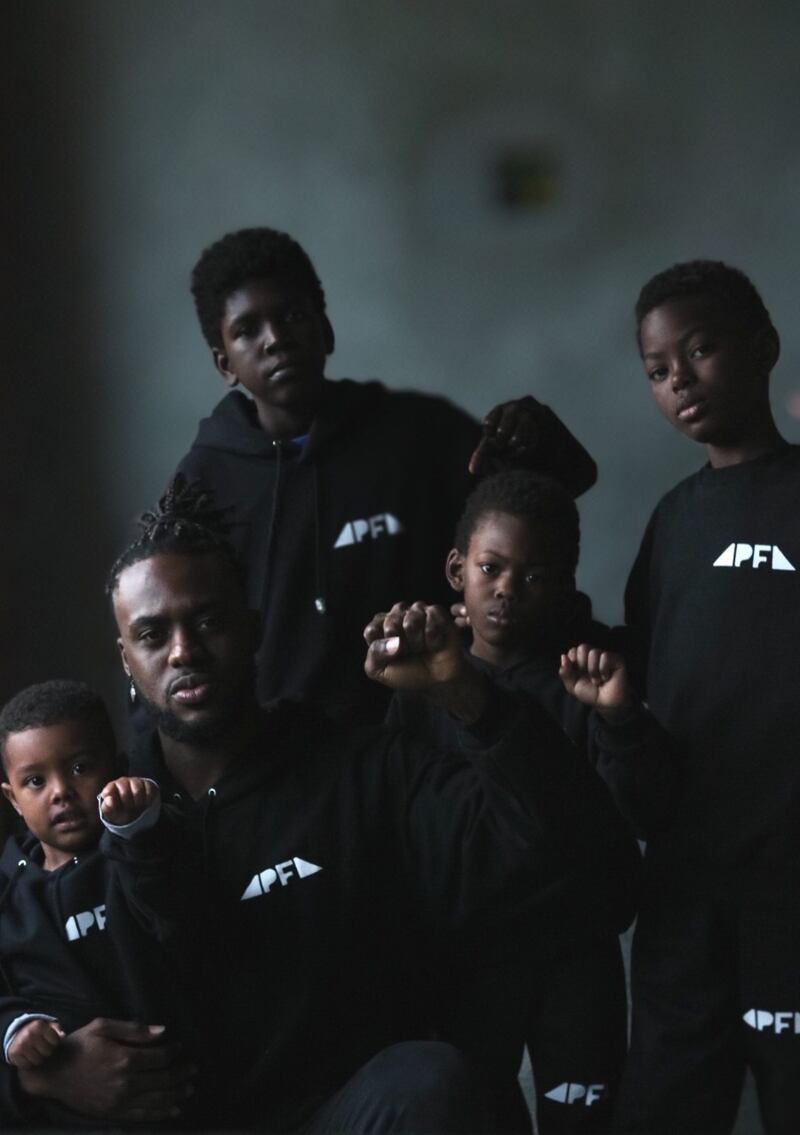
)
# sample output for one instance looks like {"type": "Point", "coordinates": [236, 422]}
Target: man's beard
{"type": "Point", "coordinates": [203, 734]}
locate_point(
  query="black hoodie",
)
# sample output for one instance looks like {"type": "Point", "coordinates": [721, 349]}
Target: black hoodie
{"type": "Point", "coordinates": [636, 757]}
{"type": "Point", "coordinates": [358, 516]}
{"type": "Point", "coordinates": [336, 863]}
{"type": "Point", "coordinates": [69, 949]}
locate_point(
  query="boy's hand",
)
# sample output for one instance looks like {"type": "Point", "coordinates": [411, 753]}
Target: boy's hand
{"type": "Point", "coordinates": [418, 647]}
{"type": "Point", "coordinates": [35, 1043]}
{"type": "Point", "coordinates": [122, 801]}
{"type": "Point", "coordinates": [597, 678]}
{"type": "Point", "coordinates": [510, 430]}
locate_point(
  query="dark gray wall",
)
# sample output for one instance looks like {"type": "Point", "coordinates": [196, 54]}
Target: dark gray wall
{"type": "Point", "coordinates": [138, 131]}
{"type": "Point", "coordinates": [141, 131]}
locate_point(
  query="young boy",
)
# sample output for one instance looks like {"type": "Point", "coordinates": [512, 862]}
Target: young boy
{"type": "Point", "coordinates": [68, 952]}
{"type": "Point", "coordinates": [340, 491]}
{"type": "Point", "coordinates": [713, 602]}
{"type": "Point", "coordinates": [514, 562]}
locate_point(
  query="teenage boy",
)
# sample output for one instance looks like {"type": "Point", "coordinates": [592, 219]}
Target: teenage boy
{"type": "Point", "coordinates": [713, 600]}
{"type": "Point", "coordinates": [69, 954]}
{"type": "Point", "coordinates": [341, 492]}
{"type": "Point", "coordinates": [514, 561]}
{"type": "Point", "coordinates": [336, 858]}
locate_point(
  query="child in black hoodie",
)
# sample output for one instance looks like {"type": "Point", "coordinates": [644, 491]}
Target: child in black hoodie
{"type": "Point", "coordinates": [712, 602]}
{"type": "Point", "coordinates": [342, 493]}
{"type": "Point", "coordinates": [68, 952]}
{"type": "Point", "coordinates": [514, 561]}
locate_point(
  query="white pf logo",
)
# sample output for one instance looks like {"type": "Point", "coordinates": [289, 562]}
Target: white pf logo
{"type": "Point", "coordinates": [585, 1094]}
{"type": "Point", "coordinates": [281, 873]}
{"type": "Point", "coordinates": [355, 531]}
{"type": "Point", "coordinates": [762, 1020]}
{"type": "Point", "coordinates": [79, 925]}
{"type": "Point", "coordinates": [754, 555]}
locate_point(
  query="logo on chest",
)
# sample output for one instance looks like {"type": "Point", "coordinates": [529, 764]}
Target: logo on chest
{"type": "Point", "coordinates": [282, 873]}
{"type": "Point", "coordinates": [79, 925]}
{"type": "Point", "coordinates": [754, 556]}
{"type": "Point", "coordinates": [764, 1020]}
{"type": "Point", "coordinates": [372, 528]}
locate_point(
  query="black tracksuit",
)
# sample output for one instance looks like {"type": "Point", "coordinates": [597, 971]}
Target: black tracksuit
{"type": "Point", "coordinates": [714, 599]}
{"type": "Point", "coordinates": [576, 1026]}
{"type": "Point", "coordinates": [336, 862]}
{"type": "Point", "coordinates": [69, 949]}
{"type": "Point", "coordinates": [358, 517]}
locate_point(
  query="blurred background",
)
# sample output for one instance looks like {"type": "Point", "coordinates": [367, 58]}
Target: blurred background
{"type": "Point", "coordinates": [482, 187]}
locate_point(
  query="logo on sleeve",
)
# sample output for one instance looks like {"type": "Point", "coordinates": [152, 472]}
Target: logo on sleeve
{"type": "Point", "coordinates": [263, 881]}
{"type": "Point", "coordinates": [583, 1094]}
{"type": "Point", "coordinates": [79, 925]}
{"type": "Point", "coordinates": [754, 555]}
{"type": "Point", "coordinates": [356, 531]}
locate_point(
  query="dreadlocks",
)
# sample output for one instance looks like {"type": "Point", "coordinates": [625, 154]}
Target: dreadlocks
{"type": "Point", "coordinates": [185, 520]}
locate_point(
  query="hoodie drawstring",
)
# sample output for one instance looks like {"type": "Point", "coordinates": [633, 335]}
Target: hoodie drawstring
{"type": "Point", "coordinates": [21, 865]}
{"type": "Point", "coordinates": [320, 602]}
{"type": "Point", "coordinates": [271, 530]}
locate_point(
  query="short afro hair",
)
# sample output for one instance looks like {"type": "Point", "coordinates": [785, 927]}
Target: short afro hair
{"type": "Point", "coordinates": [711, 278]}
{"type": "Point", "coordinates": [50, 703]}
{"type": "Point", "coordinates": [531, 497]}
{"type": "Point", "coordinates": [185, 520]}
{"type": "Point", "coordinates": [248, 254]}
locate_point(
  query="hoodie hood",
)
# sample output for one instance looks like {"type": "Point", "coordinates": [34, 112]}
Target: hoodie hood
{"type": "Point", "coordinates": [233, 426]}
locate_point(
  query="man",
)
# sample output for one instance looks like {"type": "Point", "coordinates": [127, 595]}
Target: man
{"type": "Point", "coordinates": [325, 865]}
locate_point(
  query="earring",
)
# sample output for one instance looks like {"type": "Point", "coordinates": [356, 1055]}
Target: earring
{"type": "Point", "coordinates": [132, 692]}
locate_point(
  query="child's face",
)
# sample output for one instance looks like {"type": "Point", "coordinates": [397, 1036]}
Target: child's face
{"type": "Point", "coordinates": [705, 374]}
{"type": "Point", "coordinates": [53, 776]}
{"type": "Point", "coordinates": [275, 343]}
{"type": "Point", "coordinates": [512, 584]}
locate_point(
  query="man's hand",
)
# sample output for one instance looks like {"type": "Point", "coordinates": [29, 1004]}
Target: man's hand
{"type": "Point", "coordinates": [122, 801]}
{"type": "Point", "coordinates": [460, 616]}
{"type": "Point", "coordinates": [34, 1043]}
{"type": "Point", "coordinates": [510, 430]}
{"type": "Point", "coordinates": [599, 679]}
{"type": "Point", "coordinates": [114, 1070]}
{"type": "Point", "coordinates": [418, 647]}
{"type": "Point", "coordinates": [413, 647]}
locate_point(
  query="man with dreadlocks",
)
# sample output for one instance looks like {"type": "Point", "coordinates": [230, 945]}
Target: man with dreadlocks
{"type": "Point", "coordinates": [341, 490]}
{"type": "Point", "coordinates": [333, 862]}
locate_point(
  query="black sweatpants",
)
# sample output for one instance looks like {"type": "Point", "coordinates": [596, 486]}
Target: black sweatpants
{"type": "Point", "coordinates": [417, 1087]}
{"type": "Point", "coordinates": [576, 1039]}
{"type": "Point", "coordinates": [715, 988]}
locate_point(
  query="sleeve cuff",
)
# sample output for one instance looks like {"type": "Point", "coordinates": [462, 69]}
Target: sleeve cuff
{"type": "Point", "coordinates": [17, 1024]}
{"type": "Point", "coordinates": [148, 819]}
{"type": "Point", "coordinates": [628, 731]}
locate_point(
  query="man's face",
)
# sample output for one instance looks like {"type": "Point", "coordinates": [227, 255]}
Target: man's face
{"type": "Point", "coordinates": [512, 585]}
{"type": "Point", "coordinates": [705, 373]}
{"type": "Point", "coordinates": [275, 343]}
{"type": "Point", "coordinates": [187, 640]}
{"type": "Point", "coordinates": [53, 776]}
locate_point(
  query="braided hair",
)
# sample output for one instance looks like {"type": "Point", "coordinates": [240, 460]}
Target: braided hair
{"type": "Point", "coordinates": [184, 520]}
